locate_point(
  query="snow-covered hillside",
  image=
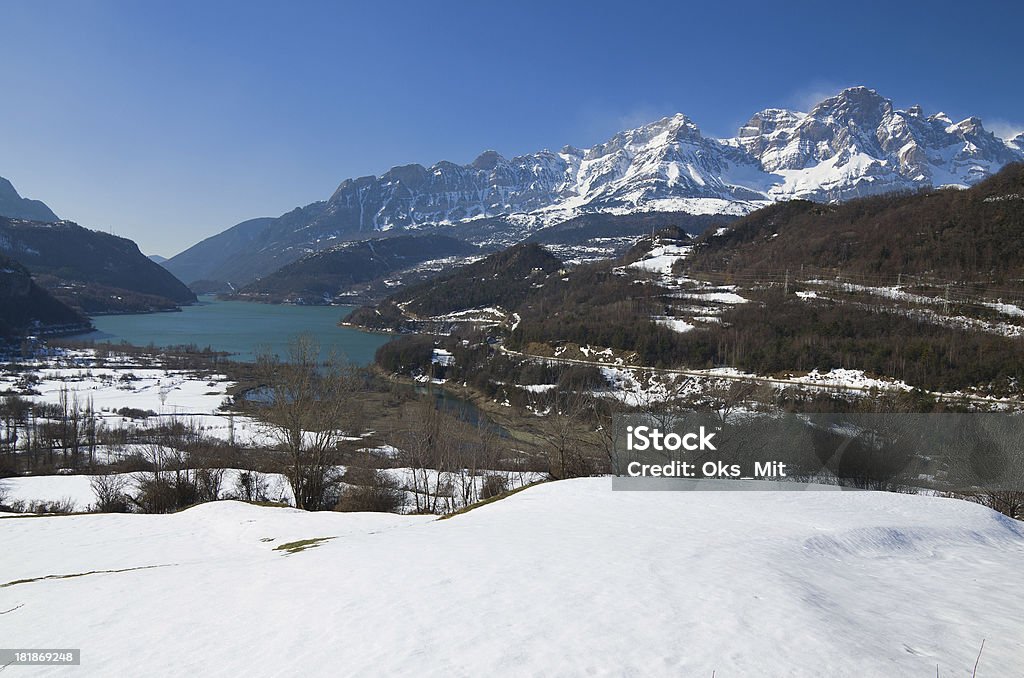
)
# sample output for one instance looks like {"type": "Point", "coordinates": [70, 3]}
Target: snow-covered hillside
{"type": "Point", "coordinates": [566, 578]}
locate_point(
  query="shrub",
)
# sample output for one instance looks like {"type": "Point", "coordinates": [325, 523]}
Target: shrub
{"type": "Point", "coordinates": [110, 493]}
{"type": "Point", "coordinates": [382, 494]}
{"type": "Point", "coordinates": [165, 493]}
{"type": "Point", "coordinates": [135, 413]}
{"type": "Point", "coordinates": [251, 486]}
{"type": "Point", "coordinates": [492, 486]}
{"type": "Point", "coordinates": [43, 507]}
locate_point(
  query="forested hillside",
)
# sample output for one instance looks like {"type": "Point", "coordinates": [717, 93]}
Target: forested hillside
{"type": "Point", "coordinates": [94, 271]}
{"type": "Point", "coordinates": [501, 280]}
{"type": "Point", "coordinates": [26, 308]}
{"type": "Point", "coordinates": [319, 277]}
{"type": "Point", "coordinates": [974, 235]}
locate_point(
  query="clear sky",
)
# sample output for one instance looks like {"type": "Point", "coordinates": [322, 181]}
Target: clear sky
{"type": "Point", "coordinates": [167, 122]}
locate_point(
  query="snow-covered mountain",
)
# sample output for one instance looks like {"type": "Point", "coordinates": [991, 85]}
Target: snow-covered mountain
{"type": "Point", "coordinates": [853, 144]}
{"type": "Point", "coordinates": [856, 143]}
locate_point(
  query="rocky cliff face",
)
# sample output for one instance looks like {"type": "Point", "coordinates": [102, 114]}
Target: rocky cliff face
{"type": "Point", "coordinates": [856, 143]}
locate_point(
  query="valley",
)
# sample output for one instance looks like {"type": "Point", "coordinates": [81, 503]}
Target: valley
{"type": "Point", "coordinates": [390, 432]}
{"type": "Point", "coordinates": [795, 307]}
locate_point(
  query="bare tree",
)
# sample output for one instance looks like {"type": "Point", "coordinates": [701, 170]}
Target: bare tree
{"type": "Point", "coordinates": [110, 491]}
{"type": "Point", "coordinates": [252, 486]}
{"type": "Point", "coordinates": [477, 452]}
{"type": "Point", "coordinates": [308, 405]}
{"type": "Point", "coordinates": [566, 437]}
{"type": "Point", "coordinates": [425, 434]}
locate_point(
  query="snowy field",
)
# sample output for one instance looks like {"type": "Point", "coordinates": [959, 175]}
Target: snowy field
{"type": "Point", "coordinates": [562, 579]}
{"type": "Point", "coordinates": [192, 397]}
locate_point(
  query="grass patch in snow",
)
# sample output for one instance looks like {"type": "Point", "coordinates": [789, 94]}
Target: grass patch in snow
{"type": "Point", "coordinates": [76, 574]}
{"type": "Point", "coordinates": [302, 544]}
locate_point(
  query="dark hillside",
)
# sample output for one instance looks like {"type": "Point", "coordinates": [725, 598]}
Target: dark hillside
{"type": "Point", "coordinates": [216, 258]}
{"type": "Point", "coordinates": [26, 308]}
{"type": "Point", "coordinates": [973, 235]}
{"type": "Point", "coordinates": [72, 261]}
{"type": "Point", "coordinates": [581, 229]}
{"type": "Point", "coordinates": [14, 206]}
{"type": "Point", "coordinates": [320, 276]}
{"type": "Point", "coordinates": [503, 279]}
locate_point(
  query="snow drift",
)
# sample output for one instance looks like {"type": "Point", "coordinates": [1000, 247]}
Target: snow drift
{"type": "Point", "coordinates": [565, 578]}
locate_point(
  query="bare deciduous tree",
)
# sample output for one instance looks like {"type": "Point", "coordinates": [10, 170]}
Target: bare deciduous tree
{"type": "Point", "coordinates": [110, 491]}
{"type": "Point", "coordinates": [425, 436]}
{"type": "Point", "coordinates": [252, 486]}
{"type": "Point", "coordinates": [308, 405]}
{"type": "Point", "coordinates": [570, 445]}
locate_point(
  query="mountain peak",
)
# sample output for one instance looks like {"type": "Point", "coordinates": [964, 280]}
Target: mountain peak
{"type": "Point", "coordinates": [860, 105]}
{"type": "Point", "coordinates": [487, 160]}
{"type": "Point", "coordinates": [860, 93]}
{"type": "Point", "coordinates": [971, 125]}
{"type": "Point", "coordinates": [677, 122]}
{"type": "Point", "coordinates": [768, 121]}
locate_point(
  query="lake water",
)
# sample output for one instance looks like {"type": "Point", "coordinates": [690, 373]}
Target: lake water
{"type": "Point", "coordinates": [242, 329]}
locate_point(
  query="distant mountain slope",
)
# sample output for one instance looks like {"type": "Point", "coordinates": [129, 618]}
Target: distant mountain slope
{"type": "Point", "coordinates": [26, 308]}
{"type": "Point", "coordinates": [14, 206]}
{"type": "Point", "coordinates": [963, 235]}
{"type": "Point", "coordinates": [503, 279]}
{"type": "Point", "coordinates": [321, 276]}
{"type": "Point", "coordinates": [217, 257]}
{"type": "Point", "coordinates": [587, 227]}
{"type": "Point", "coordinates": [80, 265]}
{"type": "Point", "coordinates": [850, 145]}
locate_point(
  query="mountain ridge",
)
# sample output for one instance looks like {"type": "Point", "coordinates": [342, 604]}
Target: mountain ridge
{"type": "Point", "coordinates": [324, 276]}
{"type": "Point", "coordinates": [853, 144]}
{"type": "Point", "coordinates": [92, 271]}
{"type": "Point", "coordinates": [16, 207]}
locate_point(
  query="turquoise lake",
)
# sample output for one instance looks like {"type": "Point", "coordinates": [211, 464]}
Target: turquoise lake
{"type": "Point", "coordinates": [242, 329]}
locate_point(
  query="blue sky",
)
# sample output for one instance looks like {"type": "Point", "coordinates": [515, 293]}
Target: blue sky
{"type": "Point", "coordinates": [169, 122]}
